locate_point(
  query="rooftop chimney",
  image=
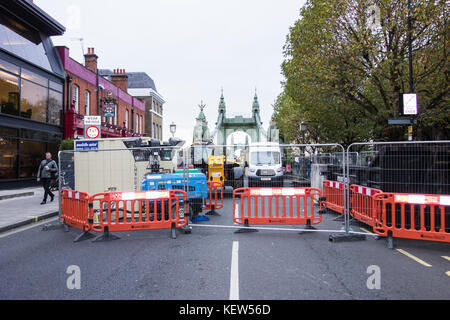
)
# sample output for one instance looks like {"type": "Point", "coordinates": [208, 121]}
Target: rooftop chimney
{"type": "Point", "coordinates": [120, 79]}
{"type": "Point", "coordinates": [90, 60]}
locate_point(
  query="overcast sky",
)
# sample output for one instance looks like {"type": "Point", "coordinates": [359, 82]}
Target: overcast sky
{"type": "Point", "coordinates": [190, 48]}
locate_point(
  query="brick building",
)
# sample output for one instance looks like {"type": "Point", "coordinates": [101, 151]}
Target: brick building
{"type": "Point", "coordinates": [88, 93]}
{"type": "Point", "coordinates": [142, 86]}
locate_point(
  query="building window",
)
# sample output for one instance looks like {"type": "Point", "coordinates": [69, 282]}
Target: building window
{"type": "Point", "coordinates": [87, 103]}
{"type": "Point", "coordinates": [126, 119]}
{"type": "Point", "coordinates": [141, 129]}
{"type": "Point", "coordinates": [22, 41]}
{"type": "Point", "coordinates": [76, 96]}
{"type": "Point", "coordinates": [55, 102]}
{"type": "Point", "coordinates": [9, 94]}
{"type": "Point", "coordinates": [33, 101]}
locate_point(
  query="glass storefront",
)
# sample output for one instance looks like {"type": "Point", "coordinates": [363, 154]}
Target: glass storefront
{"type": "Point", "coordinates": [40, 99]}
{"type": "Point", "coordinates": [8, 158]}
{"type": "Point", "coordinates": [23, 150]}
{"type": "Point", "coordinates": [9, 93]}
{"type": "Point", "coordinates": [31, 92]}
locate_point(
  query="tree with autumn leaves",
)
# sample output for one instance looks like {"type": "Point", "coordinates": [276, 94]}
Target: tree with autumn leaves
{"type": "Point", "coordinates": [346, 65]}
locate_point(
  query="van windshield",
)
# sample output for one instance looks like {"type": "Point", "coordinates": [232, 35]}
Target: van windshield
{"type": "Point", "coordinates": [262, 158]}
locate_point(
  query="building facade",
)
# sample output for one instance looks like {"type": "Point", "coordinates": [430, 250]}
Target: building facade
{"type": "Point", "coordinates": [141, 86]}
{"type": "Point", "coordinates": [31, 91]}
{"type": "Point", "coordinates": [89, 93]}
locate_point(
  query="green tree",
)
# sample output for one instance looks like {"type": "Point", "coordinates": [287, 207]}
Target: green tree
{"type": "Point", "coordinates": [344, 77]}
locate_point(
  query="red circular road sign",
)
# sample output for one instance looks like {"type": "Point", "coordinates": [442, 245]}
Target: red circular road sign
{"type": "Point", "coordinates": [92, 132]}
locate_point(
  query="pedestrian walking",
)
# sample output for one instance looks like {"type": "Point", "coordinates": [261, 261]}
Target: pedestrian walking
{"type": "Point", "coordinates": [46, 172]}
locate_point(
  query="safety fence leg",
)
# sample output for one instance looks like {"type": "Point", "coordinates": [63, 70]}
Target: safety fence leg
{"type": "Point", "coordinates": [390, 240]}
{"type": "Point", "coordinates": [85, 235]}
{"type": "Point", "coordinates": [106, 236]}
{"type": "Point", "coordinates": [308, 227]}
{"type": "Point", "coordinates": [173, 231]}
{"type": "Point", "coordinates": [247, 228]}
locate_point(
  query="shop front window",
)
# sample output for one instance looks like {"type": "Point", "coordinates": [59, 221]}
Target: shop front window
{"type": "Point", "coordinates": [33, 102]}
{"type": "Point", "coordinates": [9, 94]}
{"type": "Point", "coordinates": [8, 158]}
{"type": "Point", "coordinates": [31, 155]}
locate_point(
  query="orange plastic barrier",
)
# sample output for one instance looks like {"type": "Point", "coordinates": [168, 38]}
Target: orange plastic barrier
{"type": "Point", "coordinates": [413, 216]}
{"type": "Point", "coordinates": [333, 191]}
{"type": "Point", "coordinates": [143, 210]}
{"type": "Point", "coordinates": [362, 203]}
{"type": "Point", "coordinates": [75, 209]}
{"type": "Point", "coordinates": [276, 206]}
{"type": "Point", "coordinates": [215, 196]}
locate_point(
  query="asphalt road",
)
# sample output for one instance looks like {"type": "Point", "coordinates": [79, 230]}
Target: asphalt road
{"type": "Point", "coordinates": [266, 265]}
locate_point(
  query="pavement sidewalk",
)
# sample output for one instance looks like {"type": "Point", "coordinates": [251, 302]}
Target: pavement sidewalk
{"type": "Point", "coordinates": [17, 211]}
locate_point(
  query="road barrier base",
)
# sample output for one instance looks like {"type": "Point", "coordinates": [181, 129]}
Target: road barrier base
{"type": "Point", "coordinates": [85, 235]}
{"type": "Point", "coordinates": [246, 229]}
{"type": "Point", "coordinates": [213, 212]}
{"type": "Point", "coordinates": [308, 227]}
{"type": "Point", "coordinates": [346, 237]}
{"type": "Point", "coordinates": [106, 236]}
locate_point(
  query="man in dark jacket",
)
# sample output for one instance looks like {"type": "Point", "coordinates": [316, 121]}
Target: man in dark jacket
{"type": "Point", "coordinates": [47, 170]}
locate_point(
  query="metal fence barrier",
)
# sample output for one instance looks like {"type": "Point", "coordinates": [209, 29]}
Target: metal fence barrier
{"type": "Point", "coordinates": [408, 183]}
{"type": "Point", "coordinates": [346, 182]}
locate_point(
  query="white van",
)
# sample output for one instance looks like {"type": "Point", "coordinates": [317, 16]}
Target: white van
{"type": "Point", "coordinates": [264, 165]}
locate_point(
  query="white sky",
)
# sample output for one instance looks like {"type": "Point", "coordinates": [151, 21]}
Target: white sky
{"type": "Point", "coordinates": [190, 48]}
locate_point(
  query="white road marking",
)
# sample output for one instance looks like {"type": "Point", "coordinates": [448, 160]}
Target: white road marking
{"type": "Point", "coordinates": [414, 258]}
{"type": "Point", "coordinates": [21, 229]}
{"type": "Point", "coordinates": [234, 277]}
{"type": "Point", "coordinates": [446, 258]}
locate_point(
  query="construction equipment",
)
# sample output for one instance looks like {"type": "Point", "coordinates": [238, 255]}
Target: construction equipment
{"type": "Point", "coordinates": [121, 163]}
{"type": "Point", "coordinates": [218, 168]}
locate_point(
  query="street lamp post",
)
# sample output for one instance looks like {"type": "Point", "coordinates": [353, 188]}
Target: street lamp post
{"type": "Point", "coordinates": [173, 129]}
